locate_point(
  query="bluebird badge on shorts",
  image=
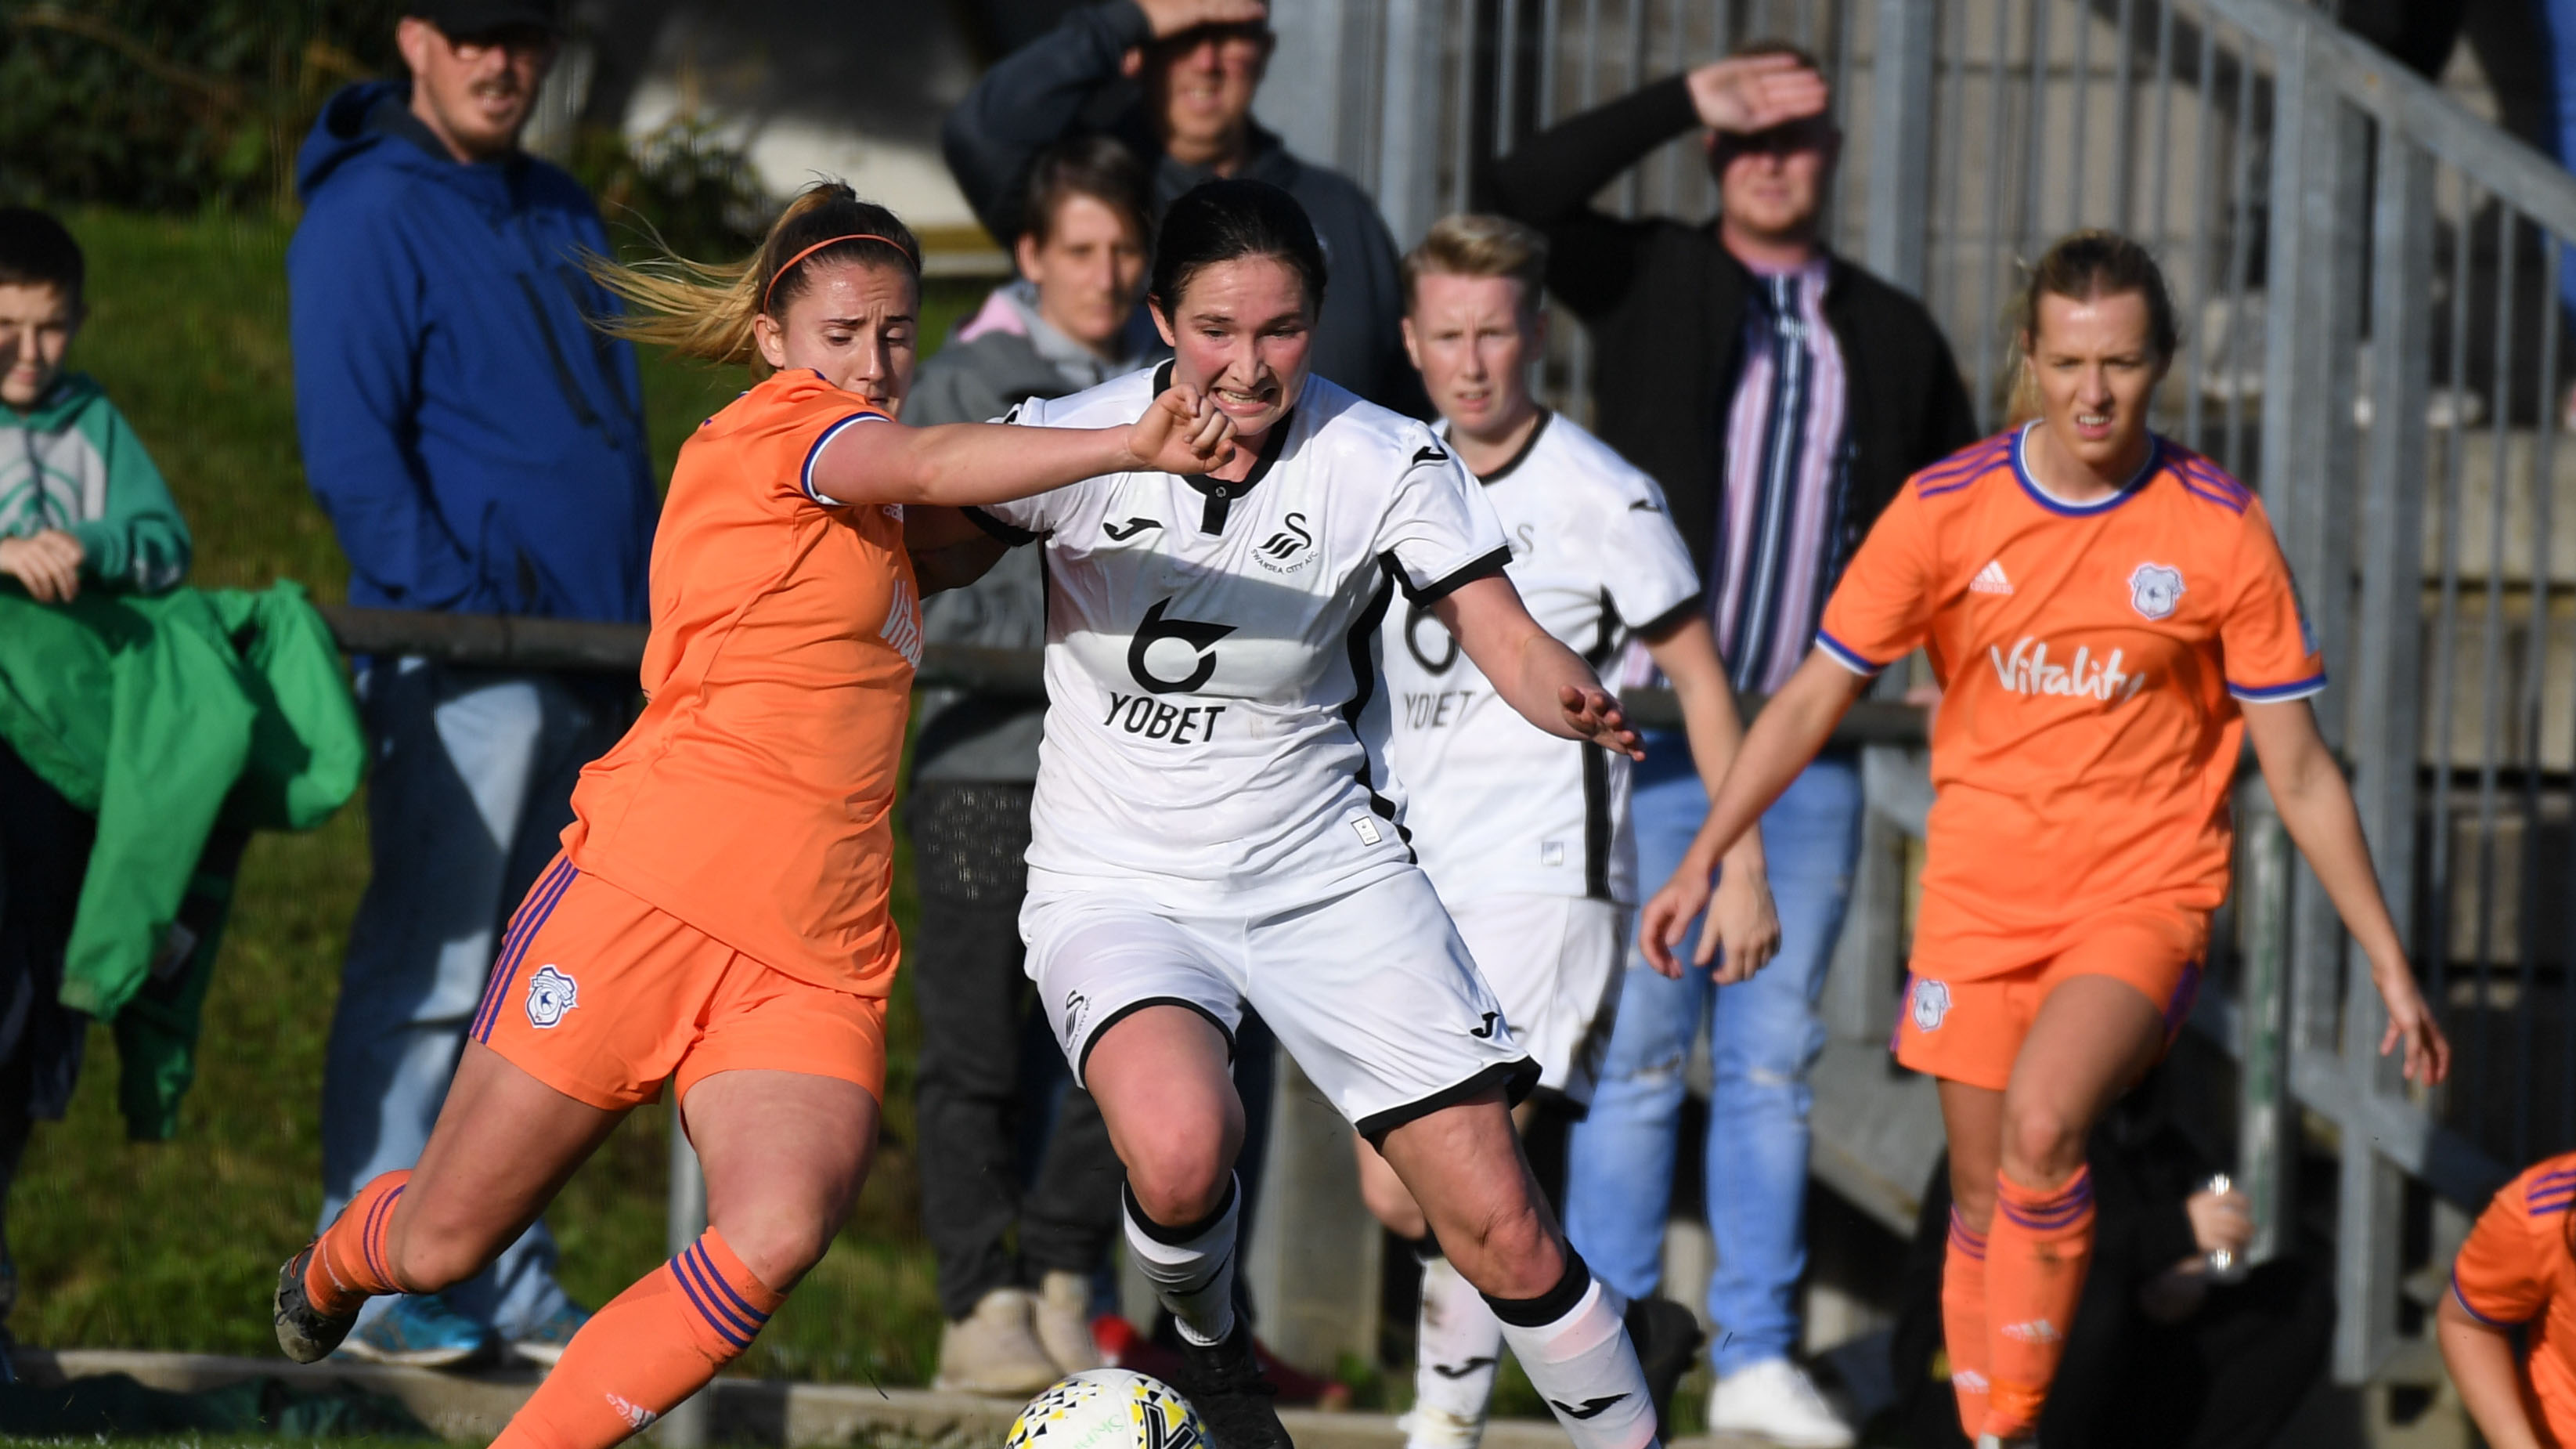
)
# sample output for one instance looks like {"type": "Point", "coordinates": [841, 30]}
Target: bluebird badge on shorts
{"type": "Point", "coordinates": [1931, 1003]}
{"type": "Point", "coordinates": [550, 994]}
{"type": "Point", "coordinates": [2154, 590]}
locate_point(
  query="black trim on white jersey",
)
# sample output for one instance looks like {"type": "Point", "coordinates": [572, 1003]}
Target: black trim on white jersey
{"type": "Point", "coordinates": [1220, 495]}
{"type": "Point", "coordinates": [1596, 765]}
{"type": "Point", "coordinates": [1459, 578]}
{"type": "Point", "coordinates": [1359, 646]}
{"type": "Point", "coordinates": [1092, 1037]}
{"type": "Point", "coordinates": [1596, 821]}
{"type": "Point", "coordinates": [1517, 1079]}
{"type": "Point", "coordinates": [1011, 534]}
{"type": "Point", "coordinates": [1521, 454]}
{"type": "Point", "coordinates": [1658, 628]}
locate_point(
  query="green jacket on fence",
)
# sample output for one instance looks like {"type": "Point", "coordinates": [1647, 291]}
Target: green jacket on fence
{"type": "Point", "coordinates": [176, 720]}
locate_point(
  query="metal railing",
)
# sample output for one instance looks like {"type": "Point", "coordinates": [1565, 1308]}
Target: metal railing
{"type": "Point", "coordinates": [2368, 276]}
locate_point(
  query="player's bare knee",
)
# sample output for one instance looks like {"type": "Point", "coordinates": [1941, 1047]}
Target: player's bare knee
{"type": "Point", "coordinates": [778, 1246]}
{"type": "Point", "coordinates": [1973, 1199]}
{"type": "Point", "coordinates": [1177, 1180]}
{"type": "Point", "coordinates": [2043, 1145]}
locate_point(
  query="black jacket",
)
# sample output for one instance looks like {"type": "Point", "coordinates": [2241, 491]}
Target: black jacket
{"type": "Point", "coordinates": [1665, 303]}
{"type": "Point", "coordinates": [1068, 82]}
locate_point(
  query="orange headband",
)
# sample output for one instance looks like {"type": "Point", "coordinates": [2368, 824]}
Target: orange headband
{"type": "Point", "coordinates": [772, 289]}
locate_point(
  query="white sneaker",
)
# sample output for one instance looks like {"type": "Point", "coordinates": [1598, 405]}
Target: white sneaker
{"type": "Point", "coordinates": [1775, 1400]}
{"type": "Point", "coordinates": [1062, 1318]}
{"type": "Point", "coordinates": [994, 1350]}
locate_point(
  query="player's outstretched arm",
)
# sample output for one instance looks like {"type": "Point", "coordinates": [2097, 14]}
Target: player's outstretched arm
{"type": "Point", "coordinates": [1546, 682]}
{"type": "Point", "coordinates": [1783, 741]}
{"type": "Point", "coordinates": [965, 463]}
{"type": "Point", "coordinates": [2481, 1361]}
{"type": "Point", "coordinates": [1742, 917]}
{"type": "Point", "coordinates": [2316, 805]}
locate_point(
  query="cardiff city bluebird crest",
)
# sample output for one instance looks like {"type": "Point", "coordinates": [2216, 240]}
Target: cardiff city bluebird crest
{"type": "Point", "coordinates": [2155, 589]}
{"type": "Point", "coordinates": [550, 994]}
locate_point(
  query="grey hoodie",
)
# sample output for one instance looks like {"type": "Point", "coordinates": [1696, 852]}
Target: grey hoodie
{"type": "Point", "coordinates": [1004, 354]}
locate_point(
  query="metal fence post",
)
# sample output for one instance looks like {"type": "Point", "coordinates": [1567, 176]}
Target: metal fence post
{"type": "Point", "coordinates": [686, 1426]}
{"type": "Point", "coordinates": [1897, 231]}
{"type": "Point", "coordinates": [2319, 156]}
{"type": "Point", "coordinates": [1408, 161]}
{"type": "Point", "coordinates": [2266, 1130]}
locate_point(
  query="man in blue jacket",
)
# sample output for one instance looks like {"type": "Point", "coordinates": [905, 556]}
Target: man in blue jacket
{"type": "Point", "coordinates": [480, 449]}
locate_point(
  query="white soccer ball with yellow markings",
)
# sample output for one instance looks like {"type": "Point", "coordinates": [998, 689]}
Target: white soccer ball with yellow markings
{"type": "Point", "coordinates": [1109, 1408]}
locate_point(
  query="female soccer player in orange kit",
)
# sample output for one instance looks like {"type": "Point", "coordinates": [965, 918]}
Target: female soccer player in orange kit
{"type": "Point", "coordinates": [2109, 617]}
{"type": "Point", "coordinates": [718, 917]}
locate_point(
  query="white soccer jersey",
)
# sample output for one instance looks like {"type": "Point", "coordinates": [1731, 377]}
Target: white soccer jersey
{"type": "Point", "coordinates": [1215, 725]}
{"type": "Point", "coordinates": [1494, 802]}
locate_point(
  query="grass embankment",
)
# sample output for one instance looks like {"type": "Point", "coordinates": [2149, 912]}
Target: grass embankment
{"type": "Point", "coordinates": [175, 1246]}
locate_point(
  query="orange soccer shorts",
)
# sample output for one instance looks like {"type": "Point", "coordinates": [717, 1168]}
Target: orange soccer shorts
{"type": "Point", "coordinates": [1970, 1028]}
{"type": "Point", "coordinates": [602, 997]}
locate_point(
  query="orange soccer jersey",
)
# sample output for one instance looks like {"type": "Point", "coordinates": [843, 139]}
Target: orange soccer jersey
{"type": "Point", "coordinates": [753, 799]}
{"type": "Point", "coordinates": [2091, 657]}
{"type": "Point", "coordinates": [2516, 1269]}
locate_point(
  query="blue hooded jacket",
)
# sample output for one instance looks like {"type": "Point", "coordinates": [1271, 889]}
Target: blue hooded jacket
{"type": "Point", "coordinates": [478, 445]}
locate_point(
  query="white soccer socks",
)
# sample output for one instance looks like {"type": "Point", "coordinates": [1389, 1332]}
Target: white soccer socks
{"type": "Point", "coordinates": [1458, 1342]}
{"type": "Point", "coordinates": [1191, 1266]}
{"type": "Point", "coordinates": [1572, 1344]}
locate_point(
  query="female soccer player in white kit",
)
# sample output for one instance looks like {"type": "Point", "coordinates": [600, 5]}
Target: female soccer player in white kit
{"type": "Point", "coordinates": [1525, 836]}
{"type": "Point", "coordinates": [1212, 826]}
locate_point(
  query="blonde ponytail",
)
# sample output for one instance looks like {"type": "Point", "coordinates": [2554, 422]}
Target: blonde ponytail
{"type": "Point", "coordinates": [704, 310]}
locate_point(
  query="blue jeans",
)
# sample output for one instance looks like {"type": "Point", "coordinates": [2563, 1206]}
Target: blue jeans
{"type": "Point", "coordinates": [471, 785]}
{"type": "Point", "coordinates": [1763, 1038]}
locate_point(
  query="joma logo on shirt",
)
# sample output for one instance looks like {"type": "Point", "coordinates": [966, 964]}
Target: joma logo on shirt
{"type": "Point", "coordinates": [2027, 671]}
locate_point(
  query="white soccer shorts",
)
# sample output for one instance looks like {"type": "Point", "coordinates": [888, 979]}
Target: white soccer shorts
{"type": "Point", "coordinates": [1554, 961]}
{"type": "Point", "coordinates": [1372, 991]}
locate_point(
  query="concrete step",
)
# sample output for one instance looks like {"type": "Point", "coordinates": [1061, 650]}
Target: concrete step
{"type": "Point", "coordinates": [759, 1411]}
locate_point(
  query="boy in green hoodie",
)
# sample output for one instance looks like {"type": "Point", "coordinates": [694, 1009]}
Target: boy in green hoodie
{"type": "Point", "coordinates": [80, 501]}
{"type": "Point", "coordinates": [80, 506]}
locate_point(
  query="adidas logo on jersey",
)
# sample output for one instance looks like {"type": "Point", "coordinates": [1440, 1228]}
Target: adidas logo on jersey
{"type": "Point", "coordinates": [1990, 579]}
{"type": "Point", "coordinates": [2027, 671]}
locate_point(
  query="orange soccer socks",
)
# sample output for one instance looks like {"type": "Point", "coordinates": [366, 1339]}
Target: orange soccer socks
{"type": "Point", "coordinates": [2037, 1251]}
{"type": "Point", "coordinates": [1963, 1321]}
{"type": "Point", "coordinates": [350, 1264]}
{"type": "Point", "coordinates": [651, 1347]}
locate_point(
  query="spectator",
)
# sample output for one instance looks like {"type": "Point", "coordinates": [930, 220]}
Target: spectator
{"type": "Point", "coordinates": [1780, 395]}
{"type": "Point", "coordinates": [479, 450]}
{"type": "Point", "coordinates": [79, 497]}
{"type": "Point", "coordinates": [1199, 63]}
{"type": "Point", "coordinates": [2161, 1354]}
{"type": "Point", "coordinates": [80, 503]}
{"type": "Point", "coordinates": [1068, 323]}
{"type": "Point", "coordinates": [2515, 1278]}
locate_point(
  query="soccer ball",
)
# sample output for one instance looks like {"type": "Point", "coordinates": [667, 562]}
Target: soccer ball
{"type": "Point", "coordinates": [1109, 1408]}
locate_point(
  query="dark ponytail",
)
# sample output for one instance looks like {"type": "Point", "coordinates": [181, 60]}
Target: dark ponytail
{"type": "Point", "coordinates": [1220, 221]}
